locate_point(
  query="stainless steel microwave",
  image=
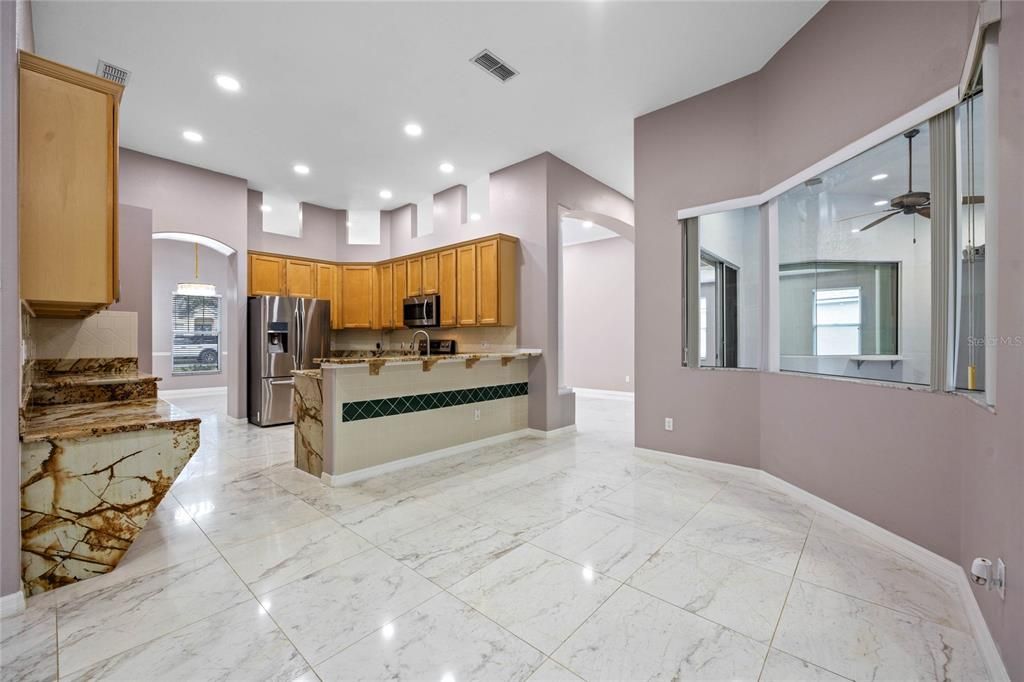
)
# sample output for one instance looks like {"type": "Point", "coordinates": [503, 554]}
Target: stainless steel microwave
{"type": "Point", "coordinates": [422, 311]}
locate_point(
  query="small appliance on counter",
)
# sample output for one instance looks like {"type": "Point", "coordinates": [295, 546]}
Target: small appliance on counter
{"type": "Point", "coordinates": [422, 311]}
{"type": "Point", "coordinates": [284, 334]}
{"type": "Point", "coordinates": [437, 347]}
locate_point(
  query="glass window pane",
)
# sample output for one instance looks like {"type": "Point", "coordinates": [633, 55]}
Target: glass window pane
{"type": "Point", "coordinates": [837, 341]}
{"type": "Point", "coordinates": [195, 323]}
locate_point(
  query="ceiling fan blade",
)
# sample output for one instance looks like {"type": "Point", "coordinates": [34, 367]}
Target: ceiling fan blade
{"type": "Point", "coordinates": [863, 215]}
{"type": "Point", "coordinates": [880, 220]}
{"type": "Point", "coordinates": [925, 211]}
{"type": "Point", "coordinates": [974, 199]}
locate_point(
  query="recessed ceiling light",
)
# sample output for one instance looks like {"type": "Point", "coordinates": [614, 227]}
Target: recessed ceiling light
{"type": "Point", "coordinates": [880, 176]}
{"type": "Point", "coordinates": [266, 208]}
{"type": "Point", "coordinates": [301, 169]}
{"type": "Point", "coordinates": [588, 224]}
{"type": "Point", "coordinates": [883, 202]}
{"type": "Point", "coordinates": [348, 223]}
{"type": "Point", "coordinates": [192, 136]}
{"type": "Point", "coordinates": [228, 83]}
{"type": "Point", "coordinates": [855, 230]}
{"type": "Point", "coordinates": [446, 167]}
{"type": "Point", "coordinates": [385, 194]}
{"type": "Point", "coordinates": [413, 129]}
{"type": "Point", "coordinates": [474, 217]}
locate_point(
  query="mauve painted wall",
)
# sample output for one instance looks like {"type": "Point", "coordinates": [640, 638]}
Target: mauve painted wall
{"type": "Point", "coordinates": [135, 241]}
{"type": "Point", "coordinates": [185, 198]}
{"type": "Point", "coordinates": [597, 290]}
{"type": "Point", "coordinates": [450, 207]}
{"type": "Point", "coordinates": [936, 469]}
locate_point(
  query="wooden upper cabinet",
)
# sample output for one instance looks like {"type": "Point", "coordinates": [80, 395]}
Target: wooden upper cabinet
{"type": "Point", "coordinates": [387, 297]}
{"type": "Point", "coordinates": [266, 275]}
{"type": "Point", "coordinates": [415, 275]}
{"type": "Point", "coordinates": [399, 271]}
{"type": "Point", "coordinates": [446, 279]}
{"type": "Point", "coordinates": [357, 296]}
{"type": "Point", "coordinates": [430, 283]}
{"type": "Point", "coordinates": [327, 289]}
{"type": "Point", "coordinates": [496, 282]}
{"type": "Point", "coordinates": [67, 188]}
{"type": "Point", "coordinates": [300, 277]}
{"type": "Point", "coordinates": [466, 285]}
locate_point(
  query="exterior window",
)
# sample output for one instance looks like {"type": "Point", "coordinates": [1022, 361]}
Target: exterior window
{"type": "Point", "coordinates": [703, 328]}
{"type": "Point", "coordinates": [837, 321]}
{"type": "Point", "coordinates": [195, 324]}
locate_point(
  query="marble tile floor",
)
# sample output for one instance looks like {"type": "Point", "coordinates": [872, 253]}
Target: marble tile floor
{"type": "Point", "coordinates": [570, 558]}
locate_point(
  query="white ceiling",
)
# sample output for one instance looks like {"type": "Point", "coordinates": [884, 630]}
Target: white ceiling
{"type": "Point", "coordinates": [331, 85]}
{"type": "Point", "coordinates": [576, 231]}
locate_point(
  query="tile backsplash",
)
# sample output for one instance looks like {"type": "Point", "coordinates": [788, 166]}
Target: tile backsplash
{"type": "Point", "coordinates": [107, 334]}
{"type": "Point", "coordinates": [467, 338]}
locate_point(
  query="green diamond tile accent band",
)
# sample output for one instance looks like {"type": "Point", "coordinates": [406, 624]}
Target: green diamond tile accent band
{"type": "Point", "coordinates": [388, 407]}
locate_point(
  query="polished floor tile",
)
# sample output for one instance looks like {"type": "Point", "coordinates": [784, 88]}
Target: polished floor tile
{"type": "Point", "coordinates": [873, 573]}
{"type": "Point", "coordinates": [382, 520]}
{"type": "Point", "coordinates": [271, 561]}
{"type": "Point", "coordinates": [442, 639]}
{"type": "Point", "coordinates": [536, 595]}
{"type": "Point", "coordinates": [451, 549]}
{"type": "Point", "coordinates": [781, 667]}
{"type": "Point", "coordinates": [326, 611]}
{"type": "Point", "coordinates": [614, 548]}
{"type": "Point", "coordinates": [759, 543]}
{"type": "Point", "coordinates": [110, 621]}
{"type": "Point", "coordinates": [864, 641]}
{"type": "Point", "coordinates": [737, 595]}
{"type": "Point", "coordinates": [634, 636]}
{"type": "Point", "coordinates": [477, 565]}
{"type": "Point", "coordinates": [241, 643]}
{"type": "Point", "coordinates": [28, 645]}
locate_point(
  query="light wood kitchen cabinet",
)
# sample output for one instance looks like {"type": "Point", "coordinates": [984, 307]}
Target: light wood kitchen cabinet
{"type": "Point", "coordinates": [430, 284]}
{"type": "Point", "coordinates": [266, 275]}
{"type": "Point", "coordinates": [357, 296]}
{"type": "Point", "coordinates": [300, 278]}
{"type": "Point", "coordinates": [400, 277]}
{"type": "Point", "coordinates": [67, 189]}
{"type": "Point", "coordinates": [496, 282]}
{"type": "Point", "coordinates": [466, 286]}
{"type": "Point", "coordinates": [414, 267]}
{"type": "Point", "coordinates": [446, 279]}
{"type": "Point", "coordinates": [327, 289]}
{"type": "Point", "coordinates": [387, 297]}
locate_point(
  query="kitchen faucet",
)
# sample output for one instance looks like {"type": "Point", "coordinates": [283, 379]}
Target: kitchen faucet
{"type": "Point", "coordinates": [425, 335]}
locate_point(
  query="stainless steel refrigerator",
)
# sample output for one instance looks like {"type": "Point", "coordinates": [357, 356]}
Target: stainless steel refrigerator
{"type": "Point", "coordinates": [284, 334]}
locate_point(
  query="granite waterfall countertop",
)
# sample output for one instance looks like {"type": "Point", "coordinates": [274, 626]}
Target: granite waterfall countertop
{"type": "Point", "coordinates": [93, 379]}
{"type": "Point", "coordinates": [82, 420]}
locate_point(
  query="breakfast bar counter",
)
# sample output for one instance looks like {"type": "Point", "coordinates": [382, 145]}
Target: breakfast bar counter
{"type": "Point", "coordinates": [357, 417]}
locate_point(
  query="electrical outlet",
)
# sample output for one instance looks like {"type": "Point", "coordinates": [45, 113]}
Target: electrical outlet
{"type": "Point", "coordinates": [627, 378]}
{"type": "Point", "coordinates": [476, 415]}
{"type": "Point", "coordinates": [668, 423]}
{"type": "Point", "coordinates": [1000, 578]}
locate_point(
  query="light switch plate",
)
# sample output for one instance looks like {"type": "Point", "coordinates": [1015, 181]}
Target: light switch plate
{"type": "Point", "coordinates": [476, 415]}
{"type": "Point", "coordinates": [1001, 578]}
{"type": "Point", "coordinates": [668, 423]}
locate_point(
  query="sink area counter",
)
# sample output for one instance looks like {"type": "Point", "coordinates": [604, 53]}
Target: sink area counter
{"type": "Point", "coordinates": [363, 416]}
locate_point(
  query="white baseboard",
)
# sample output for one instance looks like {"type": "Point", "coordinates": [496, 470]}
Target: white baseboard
{"type": "Point", "coordinates": [938, 565]}
{"type": "Point", "coordinates": [553, 433]}
{"type": "Point", "coordinates": [602, 393]}
{"type": "Point", "coordinates": [707, 464]}
{"type": "Point", "coordinates": [192, 392]}
{"type": "Point", "coordinates": [12, 604]}
{"type": "Point", "coordinates": [337, 480]}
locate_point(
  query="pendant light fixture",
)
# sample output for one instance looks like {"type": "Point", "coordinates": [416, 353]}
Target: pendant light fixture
{"type": "Point", "coordinates": [196, 288]}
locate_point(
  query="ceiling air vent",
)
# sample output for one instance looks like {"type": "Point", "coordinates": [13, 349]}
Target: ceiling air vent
{"type": "Point", "coordinates": [113, 73]}
{"type": "Point", "coordinates": [490, 63]}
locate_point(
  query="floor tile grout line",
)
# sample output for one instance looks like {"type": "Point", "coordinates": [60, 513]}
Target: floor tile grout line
{"type": "Point", "coordinates": [785, 602]}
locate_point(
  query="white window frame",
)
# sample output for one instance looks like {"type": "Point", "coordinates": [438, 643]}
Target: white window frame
{"type": "Point", "coordinates": [218, 332]}
{"type": "Point", "coordinates": [814, 321]}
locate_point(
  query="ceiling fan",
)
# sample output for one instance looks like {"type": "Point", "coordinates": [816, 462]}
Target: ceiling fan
{"type": "Point", "coordinates": [911, 202]}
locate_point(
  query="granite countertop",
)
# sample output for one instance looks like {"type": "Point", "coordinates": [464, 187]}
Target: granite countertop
{"type": "Point", "coordinates": [311, 373]}
{"type": "Point", "coordinates": [93, 379]}
{"type": "Point", "coordinates": [395, 358]}
{"type": "Point", "coordinates": [79, 420]}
